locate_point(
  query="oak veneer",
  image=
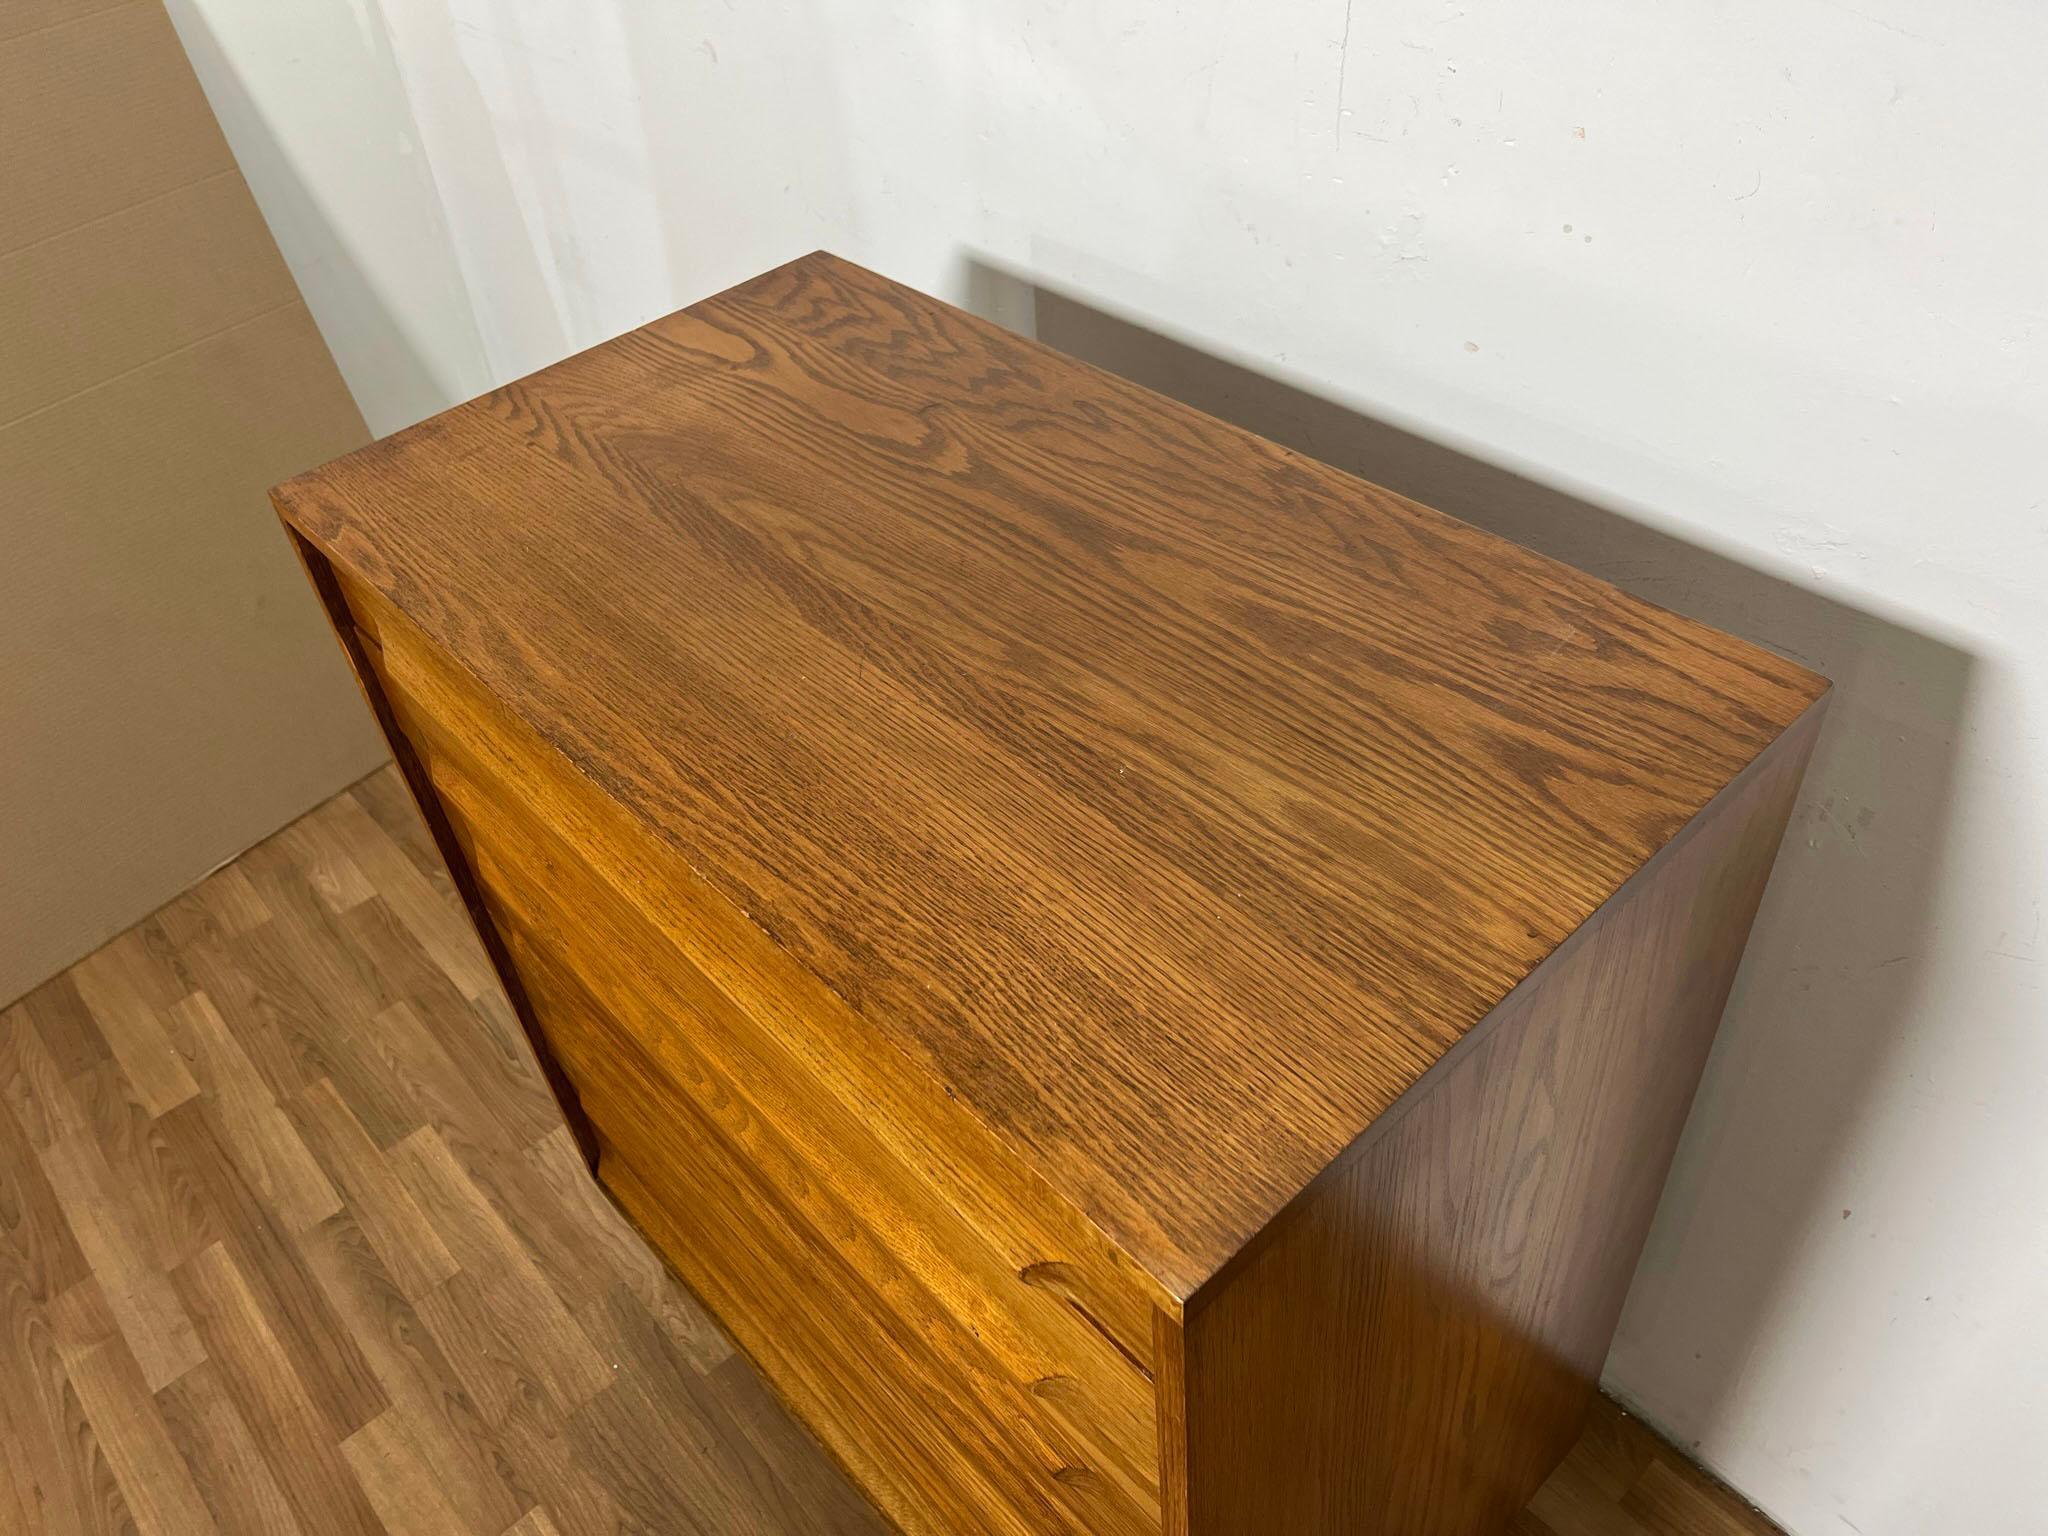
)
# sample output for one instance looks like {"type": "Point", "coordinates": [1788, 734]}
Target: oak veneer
{"type": "Point", "coordinates": [1150, 983]}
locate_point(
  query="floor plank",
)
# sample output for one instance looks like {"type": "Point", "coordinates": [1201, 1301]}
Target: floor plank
{"type": "Point", "coordinates": [46, 1257]}
{"type": "Point", "coordinates": [405, 1239]}
{"type": "Point", "coordinates": [65, 1024]}
{"type": "Point", "coordinates": [32, 1084]}
{"type": "Point", "coordinates": [408, 1493]}
{"type": "Point", "coordinates": [61, 1477]}
{"type": "Point", "coordinates": [416, 1376]}
{"type": "Point", "coordinates": [324, 1354]}
{"type": "Point", "coordinates": [108, 1225]}
{"type": "Point", "coordinates": [290, 1428]}
{"type": "Point", "coordinates": [227, 1463]}
{"type": "Point", "coordinates": [155, 1478]}
{"type": "Point", "coordinates": [293, 1242]}
{"type": "Point", "coordinates": [263, 1141]}
{"type": "Point", "coordinates": [126, 990]}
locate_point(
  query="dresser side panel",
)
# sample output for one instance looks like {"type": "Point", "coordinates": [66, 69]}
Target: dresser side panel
{"type": "Point", "coordinates": [1413, 1344]}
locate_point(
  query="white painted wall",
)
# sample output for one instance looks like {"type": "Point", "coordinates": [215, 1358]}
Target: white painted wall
{"type": "Point", "coordinates": [1742, 304]}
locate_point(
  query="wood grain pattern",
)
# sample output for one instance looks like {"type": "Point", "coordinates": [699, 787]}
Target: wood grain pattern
{"type": "Point", "coordinates": [213, 1441]}
{"type": "Point", "coordinates": [928, 648]}
{"type": "Point", "coordinates": [1151, 984]}
{"type": "Point", "coordinates": [109, 1233]}
{"type": "Point", "coordinates": [748, 1470]}
{"type": "Point", "coordinates": [156, 1481]}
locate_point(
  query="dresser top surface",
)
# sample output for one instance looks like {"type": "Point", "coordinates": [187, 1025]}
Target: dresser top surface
{"type": "Point", "coordinates": [1175, 798]}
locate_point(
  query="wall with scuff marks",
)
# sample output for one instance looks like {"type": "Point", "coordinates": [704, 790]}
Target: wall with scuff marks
{"type": "Point", "coordinates": [1742, 306]}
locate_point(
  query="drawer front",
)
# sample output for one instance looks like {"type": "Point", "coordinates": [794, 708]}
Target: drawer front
{"type": "Point", "coordinates": [1018, 1349]}
{"type": "Point", "coordinates": [926, 1417]}
{"type": "Point", "coordinates": [959, 1367]}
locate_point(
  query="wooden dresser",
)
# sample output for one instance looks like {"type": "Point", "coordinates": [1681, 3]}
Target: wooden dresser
{"type": "Point", "coordinates": [1151, 984]}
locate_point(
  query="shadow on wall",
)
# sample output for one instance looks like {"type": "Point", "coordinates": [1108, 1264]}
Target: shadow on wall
{"type": "Point", "coordinates": [395, 376]}
{"type": "Point", "coordinates": [1832, 977]}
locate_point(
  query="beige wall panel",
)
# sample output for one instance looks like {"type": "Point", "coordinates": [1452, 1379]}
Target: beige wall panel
{"type": "Point", "coordinates": [168, 693]}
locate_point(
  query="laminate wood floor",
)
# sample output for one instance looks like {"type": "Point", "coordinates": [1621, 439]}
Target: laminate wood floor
{"type": "Point", "coordinates": [292, 1240]}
